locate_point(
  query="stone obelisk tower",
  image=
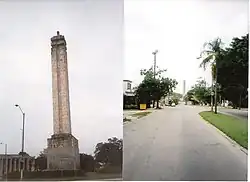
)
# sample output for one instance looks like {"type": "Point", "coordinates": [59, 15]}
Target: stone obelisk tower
{"type": "Point", "coordinates": [63, 151]}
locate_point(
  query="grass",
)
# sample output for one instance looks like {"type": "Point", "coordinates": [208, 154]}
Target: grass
{"type": "Point", "coordinates": [233, 127]}
{"type": "Point", "coordinates": [126, 119]}
{"type": "Point", "coordinates": [141, 114]}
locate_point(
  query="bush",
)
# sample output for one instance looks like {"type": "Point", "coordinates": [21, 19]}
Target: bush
{"type": "Point", "coordinates": [131, 107]}
{"type": "Point", "coordinates": [176, 101]}
{"type": "Point", "coordinates": [110, 169]}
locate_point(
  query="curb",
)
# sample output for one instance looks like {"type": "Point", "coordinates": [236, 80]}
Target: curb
{"type": "Point", "coordinates": [136, 118]}
{"type": "Point", "coordinates": [234, 143]}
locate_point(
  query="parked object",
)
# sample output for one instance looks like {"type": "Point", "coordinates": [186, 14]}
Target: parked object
{"type": "Point", "coordinates": [143, 106]}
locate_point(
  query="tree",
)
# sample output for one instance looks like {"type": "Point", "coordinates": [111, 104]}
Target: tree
{"type": "Point", "coordinates": [210, 55]}
{"type": "Point", "coordinates": [87, 162]}
{"type": "Point", "coordinates": [145, 91]}
{"type": "Point", "coordinates": [199, 93]}
{"type": "Point", "coordinates": [109, 153]}
{"type": "Point", "coordinates": [233, 71]}
{"type": "Point", "coordinates": [153, 89]}
{"type": "Point", "coordinates": [41, 162]}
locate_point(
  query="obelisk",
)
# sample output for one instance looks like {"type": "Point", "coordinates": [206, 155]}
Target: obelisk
{"type": "Point", "coordinates": [63, 151]}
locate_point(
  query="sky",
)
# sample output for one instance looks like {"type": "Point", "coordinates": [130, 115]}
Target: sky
{"type": "Point", "coordinates": [94, 36]}
{"type": "Point", "coordinates": [178, 29]}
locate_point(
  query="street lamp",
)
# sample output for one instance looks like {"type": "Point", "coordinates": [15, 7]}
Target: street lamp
{"type": "Point", "coordinates": [154, 53]}
{"type": "Point", "coordinates": [6, 159]}
{"type": "Point", "coordinates": [22, 150]}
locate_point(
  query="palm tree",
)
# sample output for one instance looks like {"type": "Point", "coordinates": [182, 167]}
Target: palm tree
{"type": "Point", "coordinates": [210, 55]}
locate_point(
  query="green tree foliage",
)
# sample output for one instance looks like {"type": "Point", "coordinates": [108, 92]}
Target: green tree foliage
{"type": "Point", "coordinates": [211, 54]}
{"type": "Point", "coordinates": [41, 162]}
{"type": "Point", "coordinates": [154, 88]}
{"type": "Point", "coordinates": [87, 162]}
{"type": "Point", "coordinates": [232, 68]}
{"type": "Point", "coordinates": [177, 95]}
{"type": "Point", "coordinates": [199, 93]}
{"type": "Point", "coordinates": [129, 102]}
{"type": "Point", "coordinates": [109, 153]}
{"type": "Point", "coordinates": [233, 71]}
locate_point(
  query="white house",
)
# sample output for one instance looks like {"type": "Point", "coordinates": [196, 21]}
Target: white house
{"type": "Point", "coordinates": [127, 88]}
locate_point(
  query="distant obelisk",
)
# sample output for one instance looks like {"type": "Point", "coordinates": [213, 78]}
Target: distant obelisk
{"type": "Point", "coordinates": [184, 87]}
{"type": "Point", "coordinates": [63, 150]}
{"type": "Point", "coordinates": [184, 90]}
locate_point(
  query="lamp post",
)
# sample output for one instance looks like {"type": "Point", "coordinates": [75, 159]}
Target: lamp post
{"type": "Point", "coordinates": [6, 159]}
{"type": "Point", "coordinates": [22, 150]}
{"type": "Point", "coordinates": [212, 95]}
{"type": "Point", "coordinates": [154, 53]}
{"type": "Point", "coordinates": [154, 67]}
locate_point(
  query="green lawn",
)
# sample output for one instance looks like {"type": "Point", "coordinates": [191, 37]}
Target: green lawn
{"type": "Point", "coordinates": [233, 127]}
{"type": "Point", "coordinates": [141, 114]}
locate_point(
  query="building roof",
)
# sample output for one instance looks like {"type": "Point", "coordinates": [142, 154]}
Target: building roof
{"type": "Point", "coordinates": [129, 93]}
{"type": "Point", "coordinates": [127, 81]}
{"type": "Point", "coordinates": [15, 156]}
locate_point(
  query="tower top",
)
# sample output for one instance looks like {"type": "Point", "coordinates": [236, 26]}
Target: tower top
{"type": "Point", "coordinates": [58, 40]}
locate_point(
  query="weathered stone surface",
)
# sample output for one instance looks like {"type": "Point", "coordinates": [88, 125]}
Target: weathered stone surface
{"type": "Point", "coordinates": [60, 85]}
{"type": "Point", "coordinates": [63, 151]}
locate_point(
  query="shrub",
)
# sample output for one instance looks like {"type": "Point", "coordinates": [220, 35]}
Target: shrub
{"type": "Point", "coordinates": [131, 107]}
{"type": "Point", "coordinates": [110, 169]}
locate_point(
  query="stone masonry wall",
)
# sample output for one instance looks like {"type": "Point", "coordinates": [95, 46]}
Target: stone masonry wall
{"type": "Point", "coordinates": [60, 86]}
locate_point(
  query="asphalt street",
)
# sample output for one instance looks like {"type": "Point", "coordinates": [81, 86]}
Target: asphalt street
{"type": "Point", "coordinates": [176, 144]}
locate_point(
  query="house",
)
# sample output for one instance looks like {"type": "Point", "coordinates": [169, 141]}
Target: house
{"type": "Point", "coordinates": [129, 100]}
{"type": "Point", "coordinates": [127, 88]}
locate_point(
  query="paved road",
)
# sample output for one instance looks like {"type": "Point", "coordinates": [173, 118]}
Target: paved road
{"type": "Point", "coordinates": [176, 144]}
{"type": "Point", "coordinates": [235, 112]}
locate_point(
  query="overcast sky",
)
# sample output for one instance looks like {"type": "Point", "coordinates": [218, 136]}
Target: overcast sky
{"type": "Point", "coordinates": [178, 29]}
{"type": "Point", "coordinates": [93, 31]}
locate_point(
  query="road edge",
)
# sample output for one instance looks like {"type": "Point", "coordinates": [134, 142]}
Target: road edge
{"type": "Point", "coordinates": [234, 143]}
{"type": "Point", "coordinates": [136, 119]}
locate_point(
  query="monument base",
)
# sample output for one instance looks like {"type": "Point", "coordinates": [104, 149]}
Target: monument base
{"type": "Point", "coordinates": [62, 152]}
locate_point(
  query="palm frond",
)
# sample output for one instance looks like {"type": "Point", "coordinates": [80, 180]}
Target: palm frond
{"type": "Point", "coordinates": [205, 52]}
{"type": "Point", "coordinates": [206, 61]}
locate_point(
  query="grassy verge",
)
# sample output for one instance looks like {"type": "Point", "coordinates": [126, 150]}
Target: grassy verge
{"type": "Point", "coordinates": [126, 119]}
{"type": "Point", "coordinates": [233, 127]}
{"type": "Point", "coordinates": [141, 114]}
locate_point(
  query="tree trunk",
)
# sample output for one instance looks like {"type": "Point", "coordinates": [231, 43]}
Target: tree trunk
{"type": "Point", "coordinates": [215, 90]}
{"type": "Point", "coordinates": [149, 104]}
{"type": "Point", "coordinates": [157, 104]}
{"type": "Point", "coordinates": [212, 87]}
{"type": "Point", "coordinates": [240, 102]}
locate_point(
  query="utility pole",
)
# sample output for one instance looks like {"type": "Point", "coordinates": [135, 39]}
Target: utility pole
{"type": "Point", "coordinates": [215, 93]}
{"type": "Point", "coordinates": [154, 53]}
{"type": "Point", "coordinates": [216, 86]}
{"type": "Point", "coordinates": [22, 149]}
